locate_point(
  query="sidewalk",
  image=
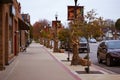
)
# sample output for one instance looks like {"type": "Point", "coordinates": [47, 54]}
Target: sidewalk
{"type": "Point", "coordinates": [96, 73]}
{"type": "Point", "coordinates": [40, 63]}
{"type": "Point", "coordinates": [36, 64]}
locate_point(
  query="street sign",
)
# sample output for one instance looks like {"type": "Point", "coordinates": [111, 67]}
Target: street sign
{"type": "Point", "coordinates": [79, 12]}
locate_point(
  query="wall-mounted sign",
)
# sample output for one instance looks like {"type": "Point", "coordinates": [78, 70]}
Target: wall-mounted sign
{"type": "Point", "coordinates": [79, 12]}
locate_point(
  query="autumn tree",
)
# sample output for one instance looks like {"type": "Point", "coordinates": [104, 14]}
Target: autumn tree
{"type": "Point", "coordinates": [74, 29]}
{"type": "Point", "coordinates": [82, 28]}
{"type": "Point", "coordinates": [64, 36]}
{"type": "Point", "coordinates": [38, 27]}
{"type": "Point", "coordinates": [90, 20]}
{"type": "Point", "coordinates": [36, 31]}
{"type": "Point", "coordinates": [117, 24]}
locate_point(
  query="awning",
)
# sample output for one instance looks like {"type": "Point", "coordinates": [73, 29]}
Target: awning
{"type": "Point", "coordinates": [6, 1]}
{"type": "Point", "coordinates": [23, 25]}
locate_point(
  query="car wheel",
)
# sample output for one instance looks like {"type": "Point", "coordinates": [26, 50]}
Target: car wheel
{"type": "Point", "coordinates": [109, 61]}
{"type": "Point", "coordinates": [99, 59]}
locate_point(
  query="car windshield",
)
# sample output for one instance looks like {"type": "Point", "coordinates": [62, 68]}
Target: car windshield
{"type": "Point", "coordinates": [114, 45]}
{"type": "Point", "coordinates": [83, 40]}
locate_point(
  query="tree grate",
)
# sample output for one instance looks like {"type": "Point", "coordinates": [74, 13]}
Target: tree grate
{"type": "Point", "coordinates": [91, 72]}
{"type": "Point", "coordinates": [65, 60]}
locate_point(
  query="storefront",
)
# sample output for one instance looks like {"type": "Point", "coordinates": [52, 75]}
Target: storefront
{"type": "Point", "coordinates": [11, 24]}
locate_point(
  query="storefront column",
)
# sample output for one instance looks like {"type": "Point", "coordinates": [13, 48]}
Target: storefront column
{"type": "Point", "coordinates": [2, 62]}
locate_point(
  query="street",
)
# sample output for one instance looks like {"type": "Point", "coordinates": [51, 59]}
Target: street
{"type": "Point", "coordinates": [93, 58]}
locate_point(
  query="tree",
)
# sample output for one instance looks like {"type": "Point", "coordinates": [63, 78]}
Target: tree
{"type": "Point", "coordinates": [77, 29]}
{"type": "Point", "coordinates": [38, 27]}
{"type": "Point", "coordinates": [81, 28]}
{"type": "Point", "coordinates": [117, 24]}
{"type": "Point", "coordinates": [36, 31]}
{"type": "Point", "coordinates": [64, 36]}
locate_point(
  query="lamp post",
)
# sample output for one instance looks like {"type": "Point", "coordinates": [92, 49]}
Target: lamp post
{"type": "Point", "coordinates": [68, 58]}
{"type": "Point", "coordinates": [75, 2]}
{"type": "Point", "coordinates": [75, 8]}
{"type": "Point", "coordinates": [75, 17]}
{"type": "Point", "coordinates": [56, 38]}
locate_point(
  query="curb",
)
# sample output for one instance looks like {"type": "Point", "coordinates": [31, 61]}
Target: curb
{"type": "Point", "coordinates": [63, 66]}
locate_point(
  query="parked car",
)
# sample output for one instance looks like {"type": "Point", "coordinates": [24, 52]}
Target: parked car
{"type": "Point", "coordinates": [83, 45]}
{"type": "Point", "coordinates": [92, 40]}
{"type": "Point", "coordinates": [109, 51]}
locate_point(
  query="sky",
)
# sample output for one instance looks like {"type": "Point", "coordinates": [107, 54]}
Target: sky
{"type": "Point", "coordinates": [47, 9]}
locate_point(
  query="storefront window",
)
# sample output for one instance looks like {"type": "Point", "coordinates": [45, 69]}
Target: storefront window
{"type": "Point", "coordinates": [10, 36]}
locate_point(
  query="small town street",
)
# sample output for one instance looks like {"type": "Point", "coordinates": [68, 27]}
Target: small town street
{"type": "Point", "coordinates": [59, 40]}
{"type": "Point", "coordinates": [40, 63]}
{"type": "Point", "coordinates": [35, 64]}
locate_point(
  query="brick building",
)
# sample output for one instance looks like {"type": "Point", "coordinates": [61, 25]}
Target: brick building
{"type": "Point", "coordinates": [13, 30]}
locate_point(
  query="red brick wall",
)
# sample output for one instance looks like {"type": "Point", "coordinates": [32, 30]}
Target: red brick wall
{"type": "Point", "coordinates": [1, 39]}
{"type": "Point", "coordinates": [5, 56]}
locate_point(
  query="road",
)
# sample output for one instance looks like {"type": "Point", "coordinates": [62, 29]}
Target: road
{"type": "Point", "coordinates": [93, 58]}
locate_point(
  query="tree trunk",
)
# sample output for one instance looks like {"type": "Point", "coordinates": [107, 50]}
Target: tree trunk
{"type": "Point", "coordinates": [48, 43]}
{"type": "Point", "coordinates": [41, 41]}
{"type": "Point", "coordinates": [75, 58]}
{"type": "Point", "coordinates": [56, 45]}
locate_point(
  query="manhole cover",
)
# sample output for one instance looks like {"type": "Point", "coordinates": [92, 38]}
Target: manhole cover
{"type": "Point", "coordinates": [91, 72]}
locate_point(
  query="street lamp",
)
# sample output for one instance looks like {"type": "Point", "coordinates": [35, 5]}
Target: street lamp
{"type": "Point", "coordinates": [56, 38]}
{"type": "Point", "coordinates": [56, 16]}
{"type": "Point", "coordinates": [68, 45]}
{"type": "Point", "coordinates": [75, 8]}
{"type": "Point", "coordinates": [75, 16]}
{"type": "Point", "coordinates": [75, 2]}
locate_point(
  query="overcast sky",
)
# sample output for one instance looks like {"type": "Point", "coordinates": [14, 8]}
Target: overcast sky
{"type": "Point", "coordinates": [46, 9]}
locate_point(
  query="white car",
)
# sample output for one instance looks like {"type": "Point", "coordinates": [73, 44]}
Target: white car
{"type": "Point", "coordinates": [83, 45]}
{"type": "Point", "coordinates": [92, 40]}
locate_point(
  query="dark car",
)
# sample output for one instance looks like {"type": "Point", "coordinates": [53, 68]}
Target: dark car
{"type": "Point", "coordinates": [83, 45]}
{"type": "Point", "coordinates": [109, 51]}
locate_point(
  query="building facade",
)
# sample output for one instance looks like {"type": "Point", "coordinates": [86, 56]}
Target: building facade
{"type": "Point", "coordinates": [11, 25]}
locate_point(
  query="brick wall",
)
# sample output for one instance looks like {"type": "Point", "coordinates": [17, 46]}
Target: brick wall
{"type": "Point", "coordinates": [5, 54]}
{"type": "Point", "coordinates": [1, 40]}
